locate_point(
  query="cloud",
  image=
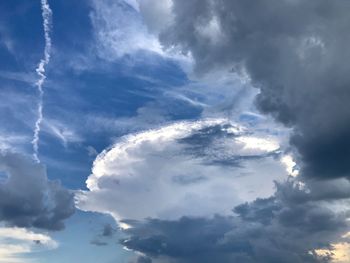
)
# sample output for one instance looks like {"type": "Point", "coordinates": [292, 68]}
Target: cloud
{"type": "Point", "coordinates": [28, 198]}
{"type": "Point", "coordinates": [274, 229]}
{"type": "Point", "coordinates": [119, 30]}
{"type": "Point", "coordinates": [12, 141]}
{"type": "Point", "coordinates": [108, 230]}
{"type": "Point", "coordinates": [186, 168]}
{"type": "Point", "coordinates": [295, 52]}
{"type": "Point", "coordinates": [62, 132]}
{"type": "Point", "coordinates": [40, 70]}
{"type": "Point", "coordinates": [98, 243]}
{"type": "Point", "coordinates": [16, 242]}
{"type": "Point", "coordinates": [157, 14]}
{"type": "Point", "coordinates": [105, 236]}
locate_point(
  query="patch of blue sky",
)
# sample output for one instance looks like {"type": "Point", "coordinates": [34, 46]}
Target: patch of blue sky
{"type": "Point", "coordinates": [75, 242]}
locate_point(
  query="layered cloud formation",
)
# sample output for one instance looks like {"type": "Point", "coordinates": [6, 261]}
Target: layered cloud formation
{"type": "Point", "coordinates": [287, 227]}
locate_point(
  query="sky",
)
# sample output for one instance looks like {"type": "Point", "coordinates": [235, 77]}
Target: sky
{"type": "Point", "coordinates": [174, 131]}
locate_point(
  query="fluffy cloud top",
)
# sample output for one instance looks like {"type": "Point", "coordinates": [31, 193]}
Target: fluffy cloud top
{"type": "Point", "coordinates": [186, 168]}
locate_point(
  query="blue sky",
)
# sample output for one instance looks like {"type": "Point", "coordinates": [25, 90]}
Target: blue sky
{"type": "Point", "coordinates": [158, 116]}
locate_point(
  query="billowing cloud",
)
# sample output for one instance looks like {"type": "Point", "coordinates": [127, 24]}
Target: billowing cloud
{"type": "Point", "coordinates": [186, 168]}
{"type": "Point", "coordinates": [295, 52]}
{"type": "Point", "coordinates": [286, 227]}
{"type": "Point", "coordinates": [28, 198]}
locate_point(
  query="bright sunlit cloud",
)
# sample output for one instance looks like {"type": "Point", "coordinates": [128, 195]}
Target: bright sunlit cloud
{"type": "Point", "coordinates": [164, 172]}
{"type": "Point", "coordinates": [15, 243]}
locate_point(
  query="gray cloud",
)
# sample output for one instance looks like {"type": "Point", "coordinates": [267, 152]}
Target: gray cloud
{"type": "Point", "coordinates": [28, 198]}
{"type": "Point", "coordinates": [296, 52]}
{"type": "Point", "coordinates": [108, 230]}
{"type": "Point", "coordinates": [98, 243]}
{"type": "Point", "coordinates": [104, 237]}
{"type": "Point", "coordinates": [281, 228]}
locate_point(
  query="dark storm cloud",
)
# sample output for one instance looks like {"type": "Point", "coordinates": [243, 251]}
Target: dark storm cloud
{"type": "Point", "coordinates": [28, 198]}
{"type": "Point", "coordinates": [296, 52]}
{"type": "Point", "coordinates": [282, 228]}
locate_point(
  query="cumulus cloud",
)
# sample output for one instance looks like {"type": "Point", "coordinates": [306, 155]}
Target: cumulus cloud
{"type": "Point", "coordinates": [295, 52]}
{"type": "Point", "coordinates": [28, 198]}
{"type": "Point", "coordinates": [281, 228]}
{"type": "Point", "coordinates": [186, 168]}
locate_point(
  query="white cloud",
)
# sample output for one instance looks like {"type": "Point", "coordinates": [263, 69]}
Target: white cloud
{"type": "Point", "coordinates": [61, 131]}
{"type": "Point", "coordinates": [260, 144]}
{"type": "Point", "coordinates": [186, 168]}
{"type": "Point", "coordinates": [120, 29]}
{"type": "Point", "coordinates": [12, 141]}
{"type": "Point", "coordinates": [14, 242]}
{"type": "Point", "coordinates": [40, 70]}
{"type": "Point", "coordinates": [291, 165]}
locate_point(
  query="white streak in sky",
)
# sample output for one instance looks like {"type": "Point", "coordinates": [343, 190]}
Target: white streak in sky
{"type": "Point", "coordinates": [40, 70]}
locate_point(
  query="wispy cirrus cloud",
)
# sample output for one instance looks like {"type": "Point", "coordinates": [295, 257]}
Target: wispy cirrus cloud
{"type": "Point", "coordinates": [120, 31]}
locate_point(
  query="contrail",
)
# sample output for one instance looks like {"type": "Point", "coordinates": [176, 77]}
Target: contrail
{"type": "Point", "coordinates": [40, 70]}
